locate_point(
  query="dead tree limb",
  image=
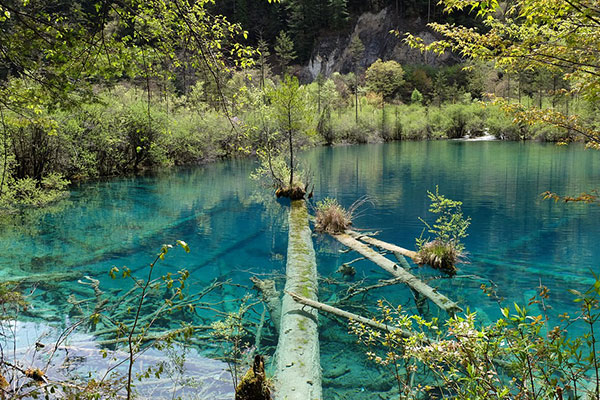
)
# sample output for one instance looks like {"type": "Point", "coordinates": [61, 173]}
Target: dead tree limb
{"type": "Point", "coordinates": [345, 314]}
{"type": "Point", "coordinates": [409, 279]}
{"type": "Point", "coordinates": [271, 298]}
{"type": "Point", "coordinates": [382, 245]}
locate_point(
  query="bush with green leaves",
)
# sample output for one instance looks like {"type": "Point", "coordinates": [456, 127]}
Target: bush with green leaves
{"type": "Point", "coordinates": [502, 126]}
{"type": "Point", "coordinates": [446, 249]}
{"type": "Point", "coordinates": [519, 356]}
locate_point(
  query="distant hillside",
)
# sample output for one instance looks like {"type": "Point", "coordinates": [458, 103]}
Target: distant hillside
{"type": "Point", "coordinates": [331, 52]}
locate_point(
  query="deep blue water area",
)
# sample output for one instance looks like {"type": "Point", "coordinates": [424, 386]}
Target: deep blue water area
{"type": "Point", "coordinates": [234, 228]}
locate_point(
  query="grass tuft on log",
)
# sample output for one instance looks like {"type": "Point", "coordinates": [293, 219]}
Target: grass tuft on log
{"type": "Point", "coordinates": [441, 256]}
{"type": "Point", "coordinates": [331, 217]}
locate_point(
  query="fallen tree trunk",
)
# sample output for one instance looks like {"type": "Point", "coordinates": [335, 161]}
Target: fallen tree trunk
{"type": "Point", "coordinates": [298, 368]}
{"type": "Point", "coordinates": [44, 279]}
{"type": "Point", "coordinates": [409, 279]}
{"type": "Point", "coordinates": [382, 245]}
{"type": "Point", "coordinates": [345, 314]}
{"type": "Point", "coordinates": [270, 296]}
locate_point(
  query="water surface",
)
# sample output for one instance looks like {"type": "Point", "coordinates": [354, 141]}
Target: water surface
{"type": "Point", "coordinates": [236, 228]}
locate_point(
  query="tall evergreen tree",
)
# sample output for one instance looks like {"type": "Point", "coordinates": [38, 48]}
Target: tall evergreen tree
{"type": "Point", "coordinates": [263, 65]}
{"type": "Point", "coordinates": [338, 9]}
{"type": "Point", "coordinates": [284, 48]}
{"type": "Point", "coordinates": [356, 49]}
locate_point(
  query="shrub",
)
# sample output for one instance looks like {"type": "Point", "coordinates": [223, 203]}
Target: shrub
{"type": "Point", "coordinates": [503, 126]}
{"type": "Point", "coordinates": [449, 228]}
{"type": "Point", "coordinates": [439, 255]}
{"type": "Point", "coordinates": [413, 120]}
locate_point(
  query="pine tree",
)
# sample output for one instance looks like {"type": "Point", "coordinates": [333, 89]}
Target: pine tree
{"type": "Point", "coordinates": [262, 63]}
{"type": "Point", "coordinates": [284, 48]}
{"type": "Point", "coordinates": [338, 9]}
{"type": "Point", "coordinates": [356, 49]}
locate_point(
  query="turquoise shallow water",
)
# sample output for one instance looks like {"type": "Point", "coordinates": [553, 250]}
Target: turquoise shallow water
{"type": "Point", "coordinates": [235, 228]}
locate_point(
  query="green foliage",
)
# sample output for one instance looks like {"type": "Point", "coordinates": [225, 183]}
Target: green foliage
{"type": "Point", "coordinates": [385, 78]}
{"type": "Point", "coordinates": [416, 97]}
{"type": "Point", "coordinates": [284, 49]}
{"type": "Point", "coordinates": [291, 112]}
{"type": "Point", "coordinates": [521, 355]}
{"type": "Point", "coordinates": [520, 39]}
{"type": "Point", "coordinates": [413, 122]}
{"type": "Point", "coordinates": [450, 226]}
{"type": "Point", "coordinates": [463, 119]}
{"type": "Point", "coordinates": [338, 10]}
{"type": "Point", "coordinates": [356, 48]}
{"type": "Point", "coordinates": [503, 126]}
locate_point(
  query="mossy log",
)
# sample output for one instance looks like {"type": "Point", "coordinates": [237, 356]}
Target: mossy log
{"type": "Point", "coordinates": [298, 369]}
{"type": "Point", "coordinates": [409, 279]}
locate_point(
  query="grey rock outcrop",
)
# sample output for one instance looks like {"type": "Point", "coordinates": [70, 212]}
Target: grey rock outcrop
{"type": "Point", "coordinates": [331, 54]}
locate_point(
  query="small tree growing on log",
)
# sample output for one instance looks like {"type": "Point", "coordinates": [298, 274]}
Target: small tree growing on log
{"type": "Point", "coordinates": [450, 227]}
{"type": "Point", "coordinates": [291, 113]}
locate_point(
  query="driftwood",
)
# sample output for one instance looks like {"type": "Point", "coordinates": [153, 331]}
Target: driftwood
{"type": "Point", "coordinates": [345, 314]}
{"type": "Point", "coordinates": [270, 296]}
{"type": "Point", "coordinates": [298, 368]}
{"type": "Point", "coordinates": [409, 279]}
{"type": "Point", "coordinates": [382, 245]}
{"type": "Point", "coordinates": [44, 279]}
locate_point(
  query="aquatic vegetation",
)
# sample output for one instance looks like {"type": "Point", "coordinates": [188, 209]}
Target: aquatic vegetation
{"type": "Point", "coordinates": [449, 228]}
{"type": "Point", "coordinates": [440, 255]}
{"type": "Point", "coordinates": [331, 217]}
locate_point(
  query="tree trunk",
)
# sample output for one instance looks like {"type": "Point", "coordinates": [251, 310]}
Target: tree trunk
{"type": "Point", "coordinates": [5, 150]}
{"type": "Point", "coordinates": [298, 369]}
{"type": "Point", "coordinates": [270, 296]}
{"type": "Point", "coordinates": [291, 144]}
{"type": "Point", "coordinates": [356, 94]}
{"type": "Point", "coordinates": [348, 315]}
{"type": "Point", "coordinates": [383, 245]}
{"type": "Point", "coordinates": [410, 280]}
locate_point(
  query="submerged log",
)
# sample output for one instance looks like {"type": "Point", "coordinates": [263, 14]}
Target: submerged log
{"type": "Point", "coordinates": [345, 314]}
{"type": "Point", "coordinates": [383, 245]}
{"type": "Point", "coordinates": [409, 279]}
{"type": "Point", "coordinates": [298, 369]}
{"type": "Point", "coordinates": [44, 279]}
{"type": "Point", "coordinates": [270, 296]}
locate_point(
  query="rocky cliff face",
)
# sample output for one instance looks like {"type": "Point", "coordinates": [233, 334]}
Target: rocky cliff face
{"type": "Point", "coordinates": [332, 55]}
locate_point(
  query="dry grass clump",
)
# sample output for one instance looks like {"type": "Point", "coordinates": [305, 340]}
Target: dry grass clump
{"type": "Point", "coordinates": [331, 217]}
{"type": "Point", "coordinates": [441, 256]}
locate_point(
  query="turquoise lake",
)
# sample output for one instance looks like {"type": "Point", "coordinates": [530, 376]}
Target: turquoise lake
{"type": "Point", "coordinates": [235, 228]}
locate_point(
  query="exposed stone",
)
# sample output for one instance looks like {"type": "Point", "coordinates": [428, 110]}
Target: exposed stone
{"type": "Point", "coordinates": [331, 53]}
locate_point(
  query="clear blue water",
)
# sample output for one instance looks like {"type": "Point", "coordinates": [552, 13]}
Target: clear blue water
{"type": "Point", "coordinates": [234, 228]}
